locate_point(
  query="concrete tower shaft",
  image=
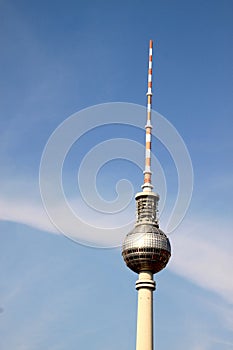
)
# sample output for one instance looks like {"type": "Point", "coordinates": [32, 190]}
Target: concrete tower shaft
{"type": "Point", "coordinates": [145, 286]}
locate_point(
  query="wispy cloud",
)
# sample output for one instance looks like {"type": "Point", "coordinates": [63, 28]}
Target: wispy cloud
{"type": "Point", "coordinates": [201, 249]}
{"type": "Point", "coordinates": [26, 213]}
{"type": "Point", "coordinates": [75, 219]}
{"type": "Point", "coordinates": [201, 254]}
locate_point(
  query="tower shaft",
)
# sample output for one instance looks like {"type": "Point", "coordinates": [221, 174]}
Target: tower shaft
{"type": "Point", "coordinates": [145, 286]}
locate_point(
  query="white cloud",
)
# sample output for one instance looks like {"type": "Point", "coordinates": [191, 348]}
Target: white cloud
{"type": "Point", "coordinates": [202, 254]}
{"type": "Point", "coordinates": [200, 249]}
{"type": "Point", "coordinates": [75, 219]}
{"type": "Point", "coordinates": [30, 214]}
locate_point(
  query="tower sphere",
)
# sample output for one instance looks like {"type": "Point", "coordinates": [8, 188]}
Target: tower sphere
{"type": "Point", "coordinates": [146, 248]}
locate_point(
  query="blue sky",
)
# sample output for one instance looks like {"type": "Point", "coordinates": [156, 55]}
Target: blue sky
{"type": "Point", "coordinates": [58, 58]}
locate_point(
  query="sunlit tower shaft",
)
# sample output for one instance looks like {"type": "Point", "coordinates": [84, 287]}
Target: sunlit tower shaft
{"type": "Point", "coordinates": [146, 249]}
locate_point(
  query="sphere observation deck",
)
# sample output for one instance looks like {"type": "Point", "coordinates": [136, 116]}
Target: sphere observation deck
{"type": "Point", "coordinates": [146, 247]}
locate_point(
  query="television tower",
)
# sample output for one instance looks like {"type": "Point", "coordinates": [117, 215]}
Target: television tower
{"type": "Point", "coordinates": [146, 249]}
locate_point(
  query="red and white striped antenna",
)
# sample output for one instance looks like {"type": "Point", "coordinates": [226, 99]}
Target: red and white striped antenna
{"type": "Point", "coordinates": [147, 186]}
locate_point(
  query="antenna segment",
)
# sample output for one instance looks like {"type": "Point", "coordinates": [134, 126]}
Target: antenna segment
{"type": "Point", "coordinates": [147, 186]}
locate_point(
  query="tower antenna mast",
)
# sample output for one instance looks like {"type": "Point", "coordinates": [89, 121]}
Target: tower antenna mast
{"type": "Point", "coordinates": [147, 186]}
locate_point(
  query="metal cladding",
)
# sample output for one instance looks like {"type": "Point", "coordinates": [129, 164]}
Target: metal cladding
{"type": "Point", "coordinates": [146, 247]}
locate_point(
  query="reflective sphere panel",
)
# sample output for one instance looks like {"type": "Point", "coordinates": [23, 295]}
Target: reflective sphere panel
{"type": "Point", "coordinates": [146, 247]}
